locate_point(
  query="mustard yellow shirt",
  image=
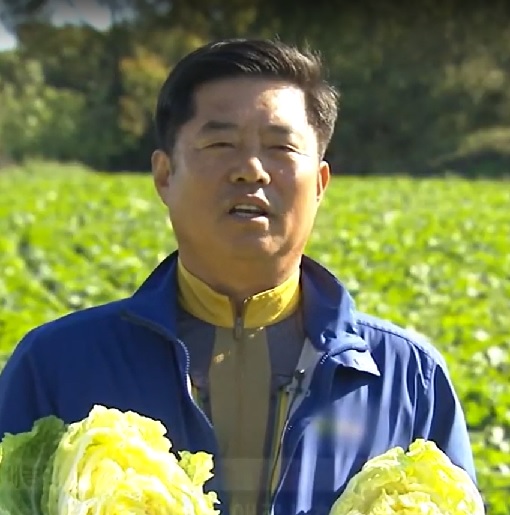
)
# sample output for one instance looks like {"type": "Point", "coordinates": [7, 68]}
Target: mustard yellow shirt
{"type": "Point", "coordinates": [243, 358]}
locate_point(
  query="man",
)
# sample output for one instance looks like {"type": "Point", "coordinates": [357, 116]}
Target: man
{"type": "Point", "coordinates": [241, 345]}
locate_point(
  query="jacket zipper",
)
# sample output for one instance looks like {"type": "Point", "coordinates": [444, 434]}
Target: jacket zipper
{"type": "Point", "coordinates": [163, 333]}
{"type": "Point", "coordinates": [286, 428]}
{"type": "Point", "coordinates": [285, 434]}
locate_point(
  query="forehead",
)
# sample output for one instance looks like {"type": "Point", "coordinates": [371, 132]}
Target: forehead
{"type": "Point", "coordinates": [251, 97]}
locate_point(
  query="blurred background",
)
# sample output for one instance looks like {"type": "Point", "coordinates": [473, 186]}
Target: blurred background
{"type": "Point", "coordinates": [425, 86]}
{"type": "Point", "coordinates": [416, 222]}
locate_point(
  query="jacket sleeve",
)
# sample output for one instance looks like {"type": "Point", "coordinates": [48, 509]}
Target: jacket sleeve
{"type": "Point", "coordinates": [23, 397]}
{"type": "Point", "coordinates": [441, 419]}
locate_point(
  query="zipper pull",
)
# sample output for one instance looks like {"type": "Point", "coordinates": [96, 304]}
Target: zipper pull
{"type": "Point", "coordinates": [296, 385]}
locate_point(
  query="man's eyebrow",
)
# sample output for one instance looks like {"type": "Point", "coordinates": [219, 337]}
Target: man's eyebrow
{"type": "Point", "coordinates": [217, 125]}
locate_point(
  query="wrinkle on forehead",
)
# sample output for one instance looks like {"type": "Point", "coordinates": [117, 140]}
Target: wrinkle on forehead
{"type": "Point", "coordinates": [245, 97]}
{"type": "Point", "coordinates": [251, 106]}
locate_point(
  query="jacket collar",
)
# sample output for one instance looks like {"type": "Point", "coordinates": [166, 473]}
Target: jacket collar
{"type": "Point", "coordinates": [329, 315]}
{"type": "Point", "coordinates": [330, 319]}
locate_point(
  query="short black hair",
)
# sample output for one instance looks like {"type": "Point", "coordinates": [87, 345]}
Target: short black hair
{"type": "Point", "coordinates": [245, 57]}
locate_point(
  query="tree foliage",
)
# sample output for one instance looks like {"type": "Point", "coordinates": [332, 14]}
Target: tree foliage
{"type": "Point", "coordinates": [418, 84]}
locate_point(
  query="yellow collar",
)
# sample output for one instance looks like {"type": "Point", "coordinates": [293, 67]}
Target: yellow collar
{"type": "Point", "coordinates": [262, 309]}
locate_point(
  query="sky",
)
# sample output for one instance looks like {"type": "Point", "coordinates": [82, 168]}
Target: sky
{"type": "Point", "coordinates": [67, 11]}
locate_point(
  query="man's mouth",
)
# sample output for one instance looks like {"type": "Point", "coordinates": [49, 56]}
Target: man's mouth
{"type": "Point", "coordinates": [248, 211]}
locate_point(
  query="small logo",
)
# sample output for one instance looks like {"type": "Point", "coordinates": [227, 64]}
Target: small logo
{"type": "Point", "coordinates": [340, 428]}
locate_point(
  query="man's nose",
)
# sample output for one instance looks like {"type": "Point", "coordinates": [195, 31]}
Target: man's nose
{"type": "Point", "coordinates": [250, 169]}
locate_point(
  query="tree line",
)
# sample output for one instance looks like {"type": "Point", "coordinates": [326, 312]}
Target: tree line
{"type": "Point", "coordinates": [424, 88]}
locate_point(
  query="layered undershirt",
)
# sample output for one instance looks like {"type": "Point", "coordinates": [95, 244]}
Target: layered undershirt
{"type": "Point", "coordinates": [240, 365]}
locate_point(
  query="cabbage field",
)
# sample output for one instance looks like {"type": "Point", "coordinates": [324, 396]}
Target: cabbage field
{"type": "Point", "coordinates": [430, 254]}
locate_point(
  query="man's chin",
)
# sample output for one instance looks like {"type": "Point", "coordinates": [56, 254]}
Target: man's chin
{"type": "Point", "coordinates": [251, 248]}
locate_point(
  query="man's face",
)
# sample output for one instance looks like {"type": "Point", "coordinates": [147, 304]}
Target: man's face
{"type": "Point", "coordinates": [245, 179]}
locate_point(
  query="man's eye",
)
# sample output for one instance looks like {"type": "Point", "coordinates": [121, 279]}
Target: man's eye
{"type": "Point", "coordinates": [285, 148]}
{"type": "Point", "coordinates": [220, 144]}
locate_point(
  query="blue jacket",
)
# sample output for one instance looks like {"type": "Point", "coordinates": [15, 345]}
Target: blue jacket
{"type": "Point", "coordinates": [372, 385]}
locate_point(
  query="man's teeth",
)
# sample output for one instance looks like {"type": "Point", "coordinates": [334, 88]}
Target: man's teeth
{"type": "Point", "coordinates": [248, 210]}
{"type": "Point", "coordinates": [247, 207]}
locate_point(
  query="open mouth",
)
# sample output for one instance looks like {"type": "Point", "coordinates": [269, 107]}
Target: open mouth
{"type": "Point", "coordinates": [248, 211]}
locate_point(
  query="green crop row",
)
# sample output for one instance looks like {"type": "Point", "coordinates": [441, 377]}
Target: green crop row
{"type": "Point", "coordinates": [431, 255]}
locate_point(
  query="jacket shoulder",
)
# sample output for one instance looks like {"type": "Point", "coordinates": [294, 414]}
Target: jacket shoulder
{"type": "Point", "coordinates": [70, 328]}
{"type": "Point", "coordinates": [384, 336]}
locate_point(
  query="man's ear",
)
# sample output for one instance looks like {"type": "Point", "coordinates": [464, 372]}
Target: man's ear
{"type": "Point", "coordinates": [323, 177]}
{"type": "Point", "coordinates": [161, 172]}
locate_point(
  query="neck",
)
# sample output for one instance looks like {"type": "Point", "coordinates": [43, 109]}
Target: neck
{"type": "Point", "coordinates": [241, 280]}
